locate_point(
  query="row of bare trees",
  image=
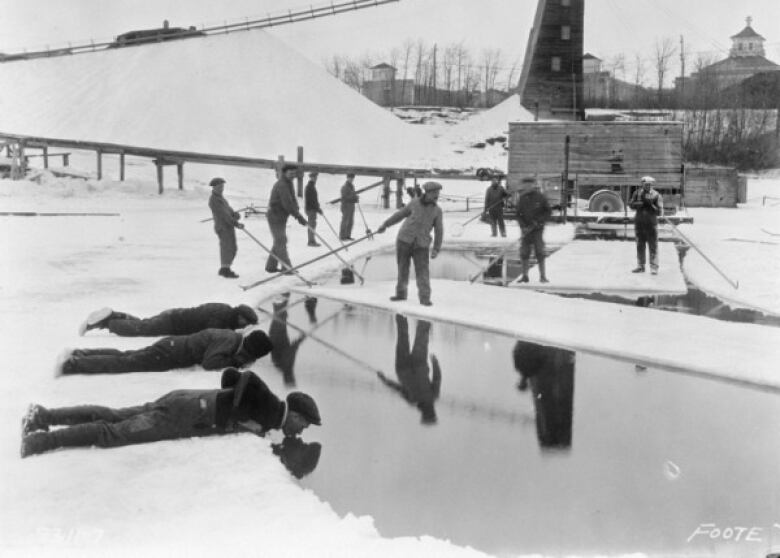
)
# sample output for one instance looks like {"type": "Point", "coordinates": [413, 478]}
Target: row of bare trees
{"type": "Point", "coordinates": [452, 74]}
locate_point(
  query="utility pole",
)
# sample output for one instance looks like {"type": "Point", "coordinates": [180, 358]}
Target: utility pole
{"type": "Point", "coordinates": [682, 71]}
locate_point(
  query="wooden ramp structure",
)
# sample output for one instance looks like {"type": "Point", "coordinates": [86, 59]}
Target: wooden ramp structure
{"type": "Point", "coordinates": [744, 354]}
{"type": "Point", "coordinates": [604, 266]}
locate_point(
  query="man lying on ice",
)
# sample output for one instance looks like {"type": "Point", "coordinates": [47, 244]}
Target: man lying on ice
{"type": "Point", "coordinates": [212, 349]}
{"type": "Point", "coordinates": [244, 401]}
{"type": "Point", "coordinates": [174, 321]}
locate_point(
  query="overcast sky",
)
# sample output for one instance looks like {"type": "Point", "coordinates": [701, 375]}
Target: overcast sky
{"type": "Point", "coordinates": [611, 26]}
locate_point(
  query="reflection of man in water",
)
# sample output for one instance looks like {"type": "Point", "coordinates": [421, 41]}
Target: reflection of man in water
{"type": "Point", "coordinates": [299, 457]}
{"type": "Point", "coordinates": [284, 352]}
{"type": "Point", "coordinates": [415, 382]}
{"type": "Point", "coordinates": [550, 371]}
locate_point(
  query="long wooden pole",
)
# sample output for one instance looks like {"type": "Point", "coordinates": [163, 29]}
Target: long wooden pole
{"type": "Point", "coordinates": [374, 185]}
{"type": "Point", "coordinates": [734, 284]}
{"type": "Point", "coordinates": [288, 267]}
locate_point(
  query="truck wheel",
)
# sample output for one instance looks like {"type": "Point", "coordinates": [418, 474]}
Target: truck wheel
{"type": "Point", "coordinates": [605, 201]}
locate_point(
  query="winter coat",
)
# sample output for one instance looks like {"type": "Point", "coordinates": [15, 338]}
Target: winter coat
{"type": "Point", "coordinates": [210, 315]}
{"type": "Point", "coordinates": [282, 202]}
{"type": "Point", "coordinates": [224, 216]}
{"type": "Point", "coordinates": [348, 197]}
{"type": "Point", "coordinates": [494, 195]}
{"type": "Point", "coordinates": [420, 219]}
{"type": "Point", "coordinates": [211, 348]}
{"type": "Point", "coordinates": [257, 402]}
{"type": "Point", "coordinates": [532, 209]}
{"type": "Point", "coordinates": [648, 205]}
{"type": "Point", "coordinates": [311, 198]}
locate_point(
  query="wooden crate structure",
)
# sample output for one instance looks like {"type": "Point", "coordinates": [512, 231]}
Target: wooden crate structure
{"type": "Point", "coordinates": [712, 186]}
{"type": "Point", "coordinates": [601, 156]}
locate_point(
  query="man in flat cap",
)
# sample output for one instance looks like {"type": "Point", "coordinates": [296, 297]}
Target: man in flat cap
{"type": "Point", "coordinates": [212, 349]}
{"type": "Point", "coordinates": [649, 205]}
{"type": "Point", "coordinates": [174, 321]}
{"type": "Point", "coordinates": [311, 204]}
{"type": "Point", "coordinates": [420, 215]}
{"type": "Point", "coordinates": [244, 402]}
{"type": "Point", "coordinates": [225, 225]}
{"type": "Point", "coordinates": [281, 204]}
{"type": "Point", "coordinates": [348, 200]}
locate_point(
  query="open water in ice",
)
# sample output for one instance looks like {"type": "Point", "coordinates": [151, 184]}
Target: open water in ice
{"type": "Point", "coordinates": [426, 429]}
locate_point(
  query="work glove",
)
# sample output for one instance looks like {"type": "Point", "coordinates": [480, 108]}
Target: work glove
{"type": "Point", "coordinates": [434, 253]}
{"type": "Point", "coordinates": [320, 212]}
{"type": "Point", "coordinates": [239, 225]}
{"type": "Point", "coordinates": [302, 221]}
{"type": "Point", "coordinates": [381, 229]}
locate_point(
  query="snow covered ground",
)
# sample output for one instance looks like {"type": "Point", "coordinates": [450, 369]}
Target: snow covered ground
{"type": "Point", "coordinates": [226, 495]}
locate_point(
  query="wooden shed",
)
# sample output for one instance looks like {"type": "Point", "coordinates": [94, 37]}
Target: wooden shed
{"type": "Point", "coordinates": [713, 186]}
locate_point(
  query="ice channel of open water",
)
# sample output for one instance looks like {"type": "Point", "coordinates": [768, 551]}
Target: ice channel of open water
{"type": "Point", "coordinates": [594, 456]}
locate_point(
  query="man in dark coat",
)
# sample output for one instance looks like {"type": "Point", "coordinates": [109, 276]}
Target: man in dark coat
{"type": "Point", "coordinates": [243, 402]}
{"type": "Point", "coordinates": [211, 348]}
{"type": "Point", "coordinates": [175, 321]}
{"type": "Point", "coordinates": [649, 206]}
{"type": "Point", "coordinates": [348, 200]}
{"type": "Point", "coordinates": [414, 239]}
{"type": "Point", "coordinates": [532, 211]}
{"type": "Point", "coordinates": [311, 205]}
{"type": "Point", "coordinates": [282, 204]}
{"type": "Point", "coordinates": [415, 382]}
{"type": "Point", "coordinates": [494, 206]}
{"type": "Point", "coordinates": [225, 225]}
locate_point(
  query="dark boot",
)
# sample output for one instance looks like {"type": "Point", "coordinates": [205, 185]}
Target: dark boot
{"type": "Point", "coordinates": [35, 419]}
{"type": "Point", "coordinates": [542, 274]}
{"type": "Point", "coordinates": [524, 277]}
{"type": "Point", "coordinates": [80, 435]}
{"type": "Point", "coordinates": [638, 269]}
{"type": "Point", "coordinates": [426, 303]}
{"type": "Point", "coordinates": [397, 297]}
{"type": "Point", "coordinates": [230, 274]}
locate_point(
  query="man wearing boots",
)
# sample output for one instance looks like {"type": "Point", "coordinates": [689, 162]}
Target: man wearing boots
{"type": "Point", "coordinates": [175, 321]}
{"type": "Point", "coordinates": [348, 200]}
{"type": "Point", "coordinates": [420, 215]}
{"type": "Point", "coordinates": [225, 225]}
{"type": "Point", "coordinates": [211, 348]}
{"type": "Point", "coordinates": [312, 206]}
{"type": "Point", "coordinates": [532, 211]}
{"type": "Point", "coordinates": [494, 206]}
{"type": "Point", "coordinates": [282, 204]}
{"type": "Point", "coordinates": [649, 206]}
{"type": "Point", "coordinates": [244, 402]}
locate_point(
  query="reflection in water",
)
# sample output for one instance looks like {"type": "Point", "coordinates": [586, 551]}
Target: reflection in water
{"type": "Point", "coordinates": [415, 382]}
{"type": "Point", "coordinates": [284, 351]}
{"type": "Point", "coordinates": [550, 372]}
{"type": "Point", "coordinates": [299, 457]}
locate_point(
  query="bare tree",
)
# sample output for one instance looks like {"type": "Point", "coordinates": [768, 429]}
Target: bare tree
{"type": "Point", "coordinates": [510, 79]}
{"type": "Point", "coordinates": [664, 50]}
{"type": "Point", "coordinates": [491, 61]}
{"type": "Point", "coordinates": [407, 48]}
{"type": "Point", "coordinates": [639, 76]}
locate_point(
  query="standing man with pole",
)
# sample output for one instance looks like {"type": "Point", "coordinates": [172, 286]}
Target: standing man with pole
{"type": "Point", "coordinates": [533, 209]}
{"type": "Point", "coordinates": [649, 206]}
{"type": "Point", "coordinates": [225, 225]}
{"type": "Point", "coordinates": [414, 239]}
{"type": "Point", "coordinates": [282, 204]}
{"type": "Point", "coordinates": [312, 206]}
{"type": "Point", "coordinates": [348, 200]}
{"type": "Point", "coordinates": [494, 208]}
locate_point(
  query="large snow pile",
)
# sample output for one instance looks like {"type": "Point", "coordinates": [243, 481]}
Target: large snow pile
{"type": "Point", "coordinates": [244, 94]}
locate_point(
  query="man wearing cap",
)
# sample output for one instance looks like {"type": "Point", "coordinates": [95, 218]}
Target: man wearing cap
{"type": "Point", "coordinates": [211, 348]}
{"type": "Point", "coordinates": [225, 225]}
{"type": "Point", "coordinates": [311, 204]}
{"type": "Point", "coordinates": [282, 204]}
{"type": "Point", "coordinates": [649, 206]}
{"type": "Point", "coordinates": [532, 211]}
{"type": "Point", "coordinates": [494, 207]}
{"type": "Point", "coordinates": [348, 200]}
{"type": "Point", "coordinates": [244, 402]}
{"type": "Point", "coordinates": [414, 240]}
{"type": "Point", "coordinates": [174, 321]}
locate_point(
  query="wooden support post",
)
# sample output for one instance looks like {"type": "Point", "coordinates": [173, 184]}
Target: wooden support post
{"type": "Point", "coordinates": [386, 193]}
{"type": "Point", "coordinates": [65, 159]}
{"type": "Point", "coordinates": [399, 194]}
{"type": "Point", "coordinates": [299, 174]}
{"type": "Point", "coordinates": [279, 165]}
{"type": "Point", "coordinates": [565, 181]}
{"type": "Point", "coordinates": [46, 156]}
{"type": "Point", "coordinates": [159, 165]}
{"type": "Point", "coordinates": [121, 166]}
{"type": "Point", "coordinates": [180, 174]}
{"type": "Point", "coordinates": [99, 164]}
